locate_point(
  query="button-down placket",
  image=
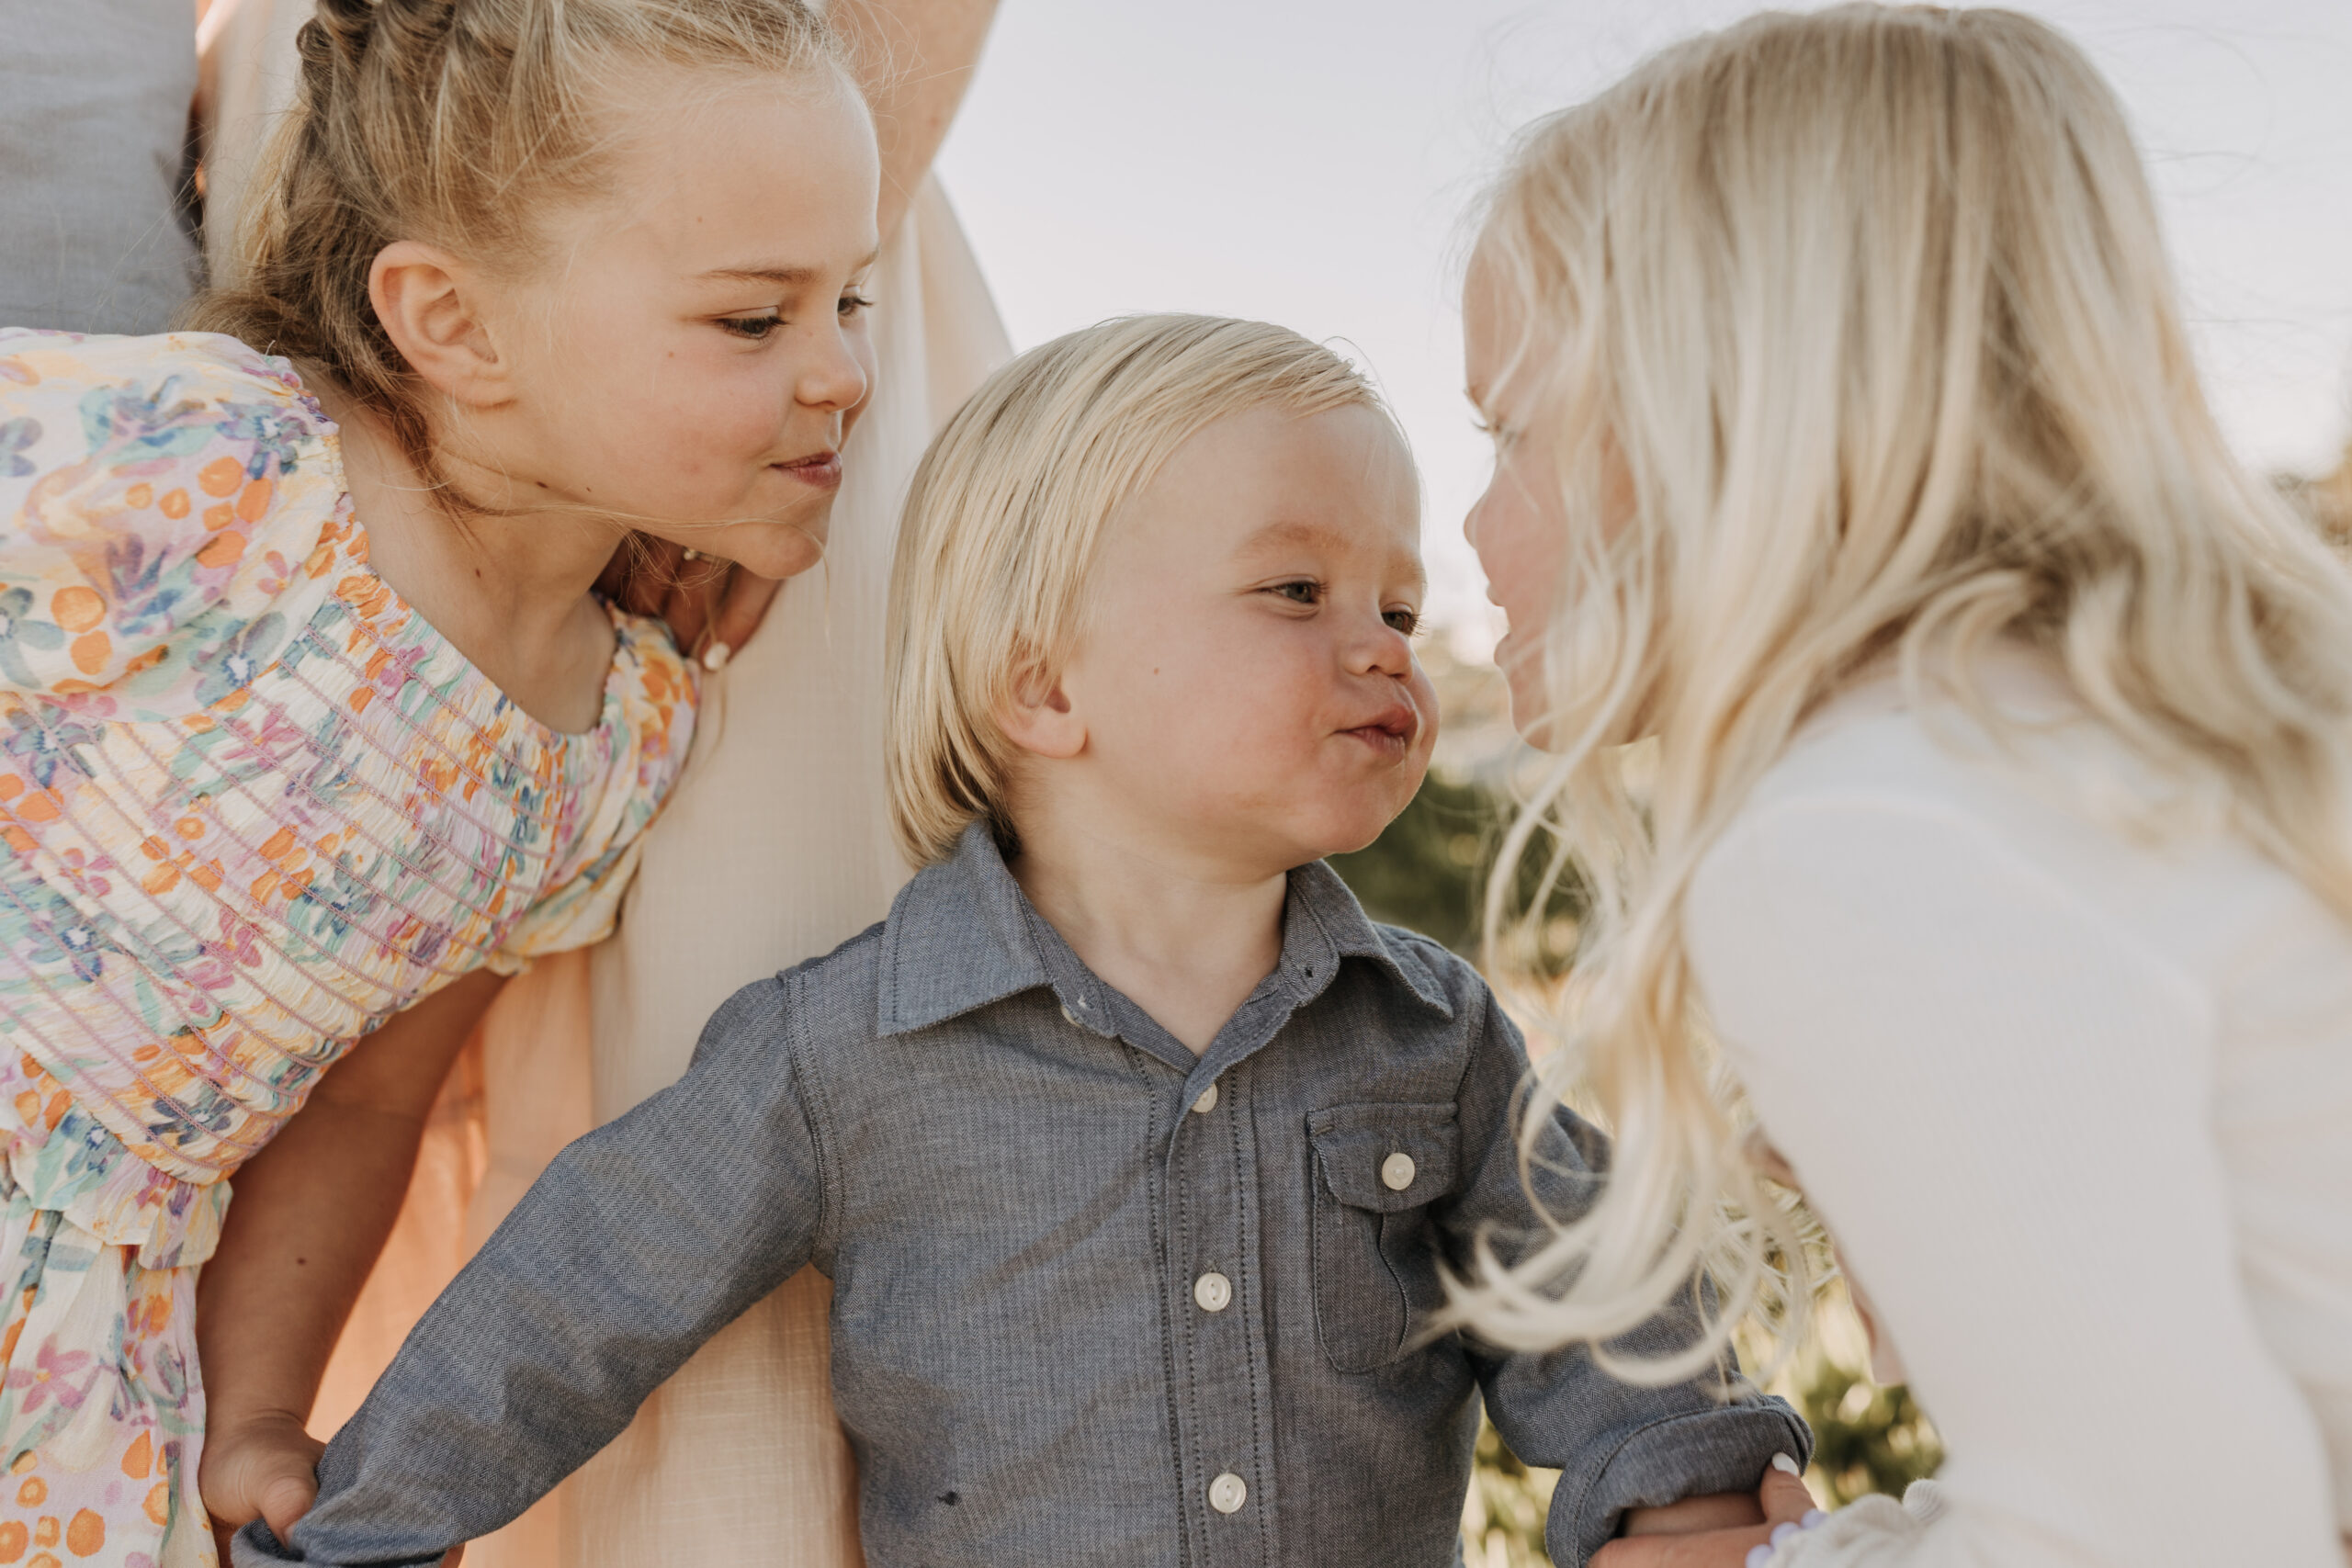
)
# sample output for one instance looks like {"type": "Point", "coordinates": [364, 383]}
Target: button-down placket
{"type": "Point", "coordinates": [1216, 1310]}
{"type": "Point", "coordinates": [1202, 1165]}
{"type": "Point", "coordinates": [1205, 1190]}
{"type": "Point", "coordinates": [1209, 1190]}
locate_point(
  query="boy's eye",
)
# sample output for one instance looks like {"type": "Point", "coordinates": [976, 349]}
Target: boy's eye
{"type": "Point", "coordinates": [1405, 621]}
{"type": "Point", "coordinates": [851, 303]}
{"type": "Point", "coordinates": [753, 327]}
{"type": "Point", "coordinates": [1301, 592]}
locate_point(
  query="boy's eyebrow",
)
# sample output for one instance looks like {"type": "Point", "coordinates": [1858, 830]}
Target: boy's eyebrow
{"type": "Point", "coordinates": [1314, 536]}
{"type": "Point", "coordinates": [790, 274]}
{"type": "Point", "coordinates": [1317, 535]}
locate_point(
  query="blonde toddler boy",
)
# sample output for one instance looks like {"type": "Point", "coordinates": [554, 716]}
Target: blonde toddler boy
{"type": "Point", "coordinates": [1132, 1148]}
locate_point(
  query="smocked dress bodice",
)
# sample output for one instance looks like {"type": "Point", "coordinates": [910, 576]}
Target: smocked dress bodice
{"type": "Point", "coordinates": [252, 802]}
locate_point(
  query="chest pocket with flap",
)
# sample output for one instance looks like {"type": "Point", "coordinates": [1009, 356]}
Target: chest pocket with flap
{"type": "Point", "coordinates": [1377, 1169]}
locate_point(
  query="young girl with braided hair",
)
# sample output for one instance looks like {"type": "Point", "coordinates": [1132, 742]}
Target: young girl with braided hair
{"type": "Point", "coordinates": [315, 726]}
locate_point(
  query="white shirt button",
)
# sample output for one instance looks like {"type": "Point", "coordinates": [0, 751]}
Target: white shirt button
{"type": "Point", "coordinates": [1207, 1102]}
{"type": "Point", "coordinates": [1227, 1493]}
{"type": "Point", "coordinates": [1213, 1290]}
{"type": "Point", "coordinates": [1069, 1017]}
{"type": "Point", "coordinates": [1396, 1172]}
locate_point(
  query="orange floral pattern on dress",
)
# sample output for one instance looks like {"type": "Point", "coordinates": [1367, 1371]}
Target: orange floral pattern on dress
{"type": "Point", "coordinates": [251, 805]}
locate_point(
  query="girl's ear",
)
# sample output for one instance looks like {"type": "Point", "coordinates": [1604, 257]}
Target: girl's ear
{"type": "Point", "coordinates": [1039, 717]}
{"type": "Point", "coordinates": [428, 303]}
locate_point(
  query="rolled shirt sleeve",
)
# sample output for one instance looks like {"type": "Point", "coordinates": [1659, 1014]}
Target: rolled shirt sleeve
{"type": "Point", "coordinates": [641, 1241]}
{"type": "Point", "coordinates": [1618, 1445]}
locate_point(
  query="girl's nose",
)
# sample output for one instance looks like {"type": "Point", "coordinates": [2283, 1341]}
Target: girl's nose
{"type": "Point", "coordinates": [836, 378]}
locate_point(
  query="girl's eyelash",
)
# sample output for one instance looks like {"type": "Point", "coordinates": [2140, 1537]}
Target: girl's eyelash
{"type": "Point", "coordinates": [757, 327]}
{"type": "Point", "coordinates": [753, 327]}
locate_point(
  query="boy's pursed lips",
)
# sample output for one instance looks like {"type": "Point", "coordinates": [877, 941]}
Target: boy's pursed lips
{"type": "Point", "coordinates": [1391, 730]}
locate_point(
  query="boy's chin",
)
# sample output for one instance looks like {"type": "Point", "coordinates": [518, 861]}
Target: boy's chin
{"type": "Point", "coordinates": [1358, 832]}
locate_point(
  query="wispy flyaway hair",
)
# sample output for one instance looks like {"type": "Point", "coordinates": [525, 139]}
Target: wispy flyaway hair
{"type": "Point", "coordinates": [1869, 313]}
{"type": "Point", "coordinates": [458, 123]}
{"type": "Point", "coordinates": [1006, 515]}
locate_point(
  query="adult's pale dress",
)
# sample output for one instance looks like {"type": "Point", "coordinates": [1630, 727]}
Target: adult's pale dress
{"type": "Point", "coordinates": [773, 849]}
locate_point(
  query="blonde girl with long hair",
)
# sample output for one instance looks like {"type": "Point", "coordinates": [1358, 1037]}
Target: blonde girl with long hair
{"type": "Point", "coordinates": [1957, 742]}
{"type": "Point", "coordinates": [313, 724]}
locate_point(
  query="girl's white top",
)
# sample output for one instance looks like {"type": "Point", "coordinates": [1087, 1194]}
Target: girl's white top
{"type": "Point", "coordinates": [2076, 1102]}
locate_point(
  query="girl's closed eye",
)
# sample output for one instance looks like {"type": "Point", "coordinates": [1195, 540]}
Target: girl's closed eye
{"type": "Point", "coordinates": [755, 328]}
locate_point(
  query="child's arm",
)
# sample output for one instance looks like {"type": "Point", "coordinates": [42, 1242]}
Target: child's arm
{"type": "Point", "coordinates": [1622, 1448]}
{"type": "Point", "coordinates": [641, 1241]}
{"type": "Point", "coordinates": [310, 1213]}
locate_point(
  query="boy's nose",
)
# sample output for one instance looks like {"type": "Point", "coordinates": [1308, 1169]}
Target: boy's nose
{"type": "Point", "coordinates": [1383, 650]}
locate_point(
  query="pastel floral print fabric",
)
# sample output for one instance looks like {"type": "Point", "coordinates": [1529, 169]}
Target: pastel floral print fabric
{"type": "Point", "coordinates": [251, 805]}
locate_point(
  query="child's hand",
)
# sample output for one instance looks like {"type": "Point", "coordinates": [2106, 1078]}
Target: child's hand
{"type": "Point", "coordinates": [712, 607]}
{"type": "Point", "coordinates": [1696, 1516]}
{"type": "Point", "coordinates": [263, 1466]}
{"type": "Point", "coordinates": [268, 1467]}
{"type": "Point", "coordinates": [1780, 1500]}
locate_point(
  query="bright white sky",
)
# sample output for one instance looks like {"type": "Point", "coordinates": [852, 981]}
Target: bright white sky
{"type": "Point", "coordinates": [1307, 161]}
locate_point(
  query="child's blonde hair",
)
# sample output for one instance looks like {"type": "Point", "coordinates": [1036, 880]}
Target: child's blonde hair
{"type": "Point", "coordinates": [1007, 513]}
{"type": "Point", "coordinates": [1871, 310]}
{"type": "Point", "coordinates": [460, 123]}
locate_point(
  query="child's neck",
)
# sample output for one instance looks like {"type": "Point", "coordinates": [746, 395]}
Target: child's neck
{"type": "Point", "coordinates": [511, 592]}
{"type": "Point", "coordinates": [1185, 937]}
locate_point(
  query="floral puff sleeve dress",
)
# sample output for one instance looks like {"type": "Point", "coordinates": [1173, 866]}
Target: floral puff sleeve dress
{"type": "Point", "coordinates": [251, 805]}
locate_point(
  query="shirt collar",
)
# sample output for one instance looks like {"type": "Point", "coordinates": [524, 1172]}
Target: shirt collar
{"type": "Point", "coordinates": [1320, 900]}
{"type": "Point", "coordinates": [960, 936]}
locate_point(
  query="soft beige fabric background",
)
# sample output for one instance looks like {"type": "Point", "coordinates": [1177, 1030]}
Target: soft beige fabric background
{"type": "Point", "coordinates": [774, 850]}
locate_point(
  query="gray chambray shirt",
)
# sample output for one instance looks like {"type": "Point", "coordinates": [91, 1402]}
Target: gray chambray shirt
{"type": "Point", "coordinates": [1096, 1300]}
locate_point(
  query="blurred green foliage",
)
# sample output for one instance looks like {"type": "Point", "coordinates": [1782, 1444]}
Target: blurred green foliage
{"type": "Point", "coordinates": [1502, 1524]}
{"type": "Point", "coordinates": [1867, 1437]}
{"type": "Point", "coordinates": [1428, 872]}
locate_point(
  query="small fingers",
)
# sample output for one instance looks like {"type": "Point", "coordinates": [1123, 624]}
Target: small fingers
{"type": "Point", "coordinates": [1783, 1495]}
{"type": "Point", "coordinates": [686, 611]}
{"type": "Point", "coordinates": [612, 583]}
{"type": "Point", "coordinates": [285, 1500]}
{"type": "Point", "coordinates": [1695, 1515]}
{"type": "Point", "coordinates": [740, 614]}
{"type": "Point", "coordinates": [642, 570]}
{"type": "Point", "coordinates": [1712, 1548]}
